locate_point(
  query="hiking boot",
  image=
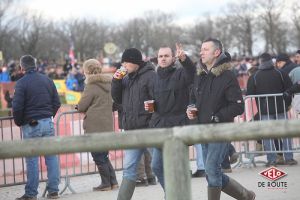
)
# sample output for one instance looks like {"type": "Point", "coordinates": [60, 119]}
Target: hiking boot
{"type": "Point", "coordinates": [152, 181]}
{"type": "Point", "coordinates": [271, 163]}
{"type": "Point", "coordinates": [25, 197]}
{"type": "Point", "coordinates": [102, 187]}
{"type": "Point", "coordinates": [141, 182]}
{"type": "Point", "coordinates": [291, 162]}
{"type": "Point", "coordinates": [53, 195]}
{"type": "Point", "coordinates": [198, 174]}
{"type": "Point", "coordinates": [237, 191]}
{"type": "Point", "coordinates": [213, 193]}
{"type": "Point", "coordinates": [126, 189]}
{"type": "Point", "coordinates": [227, 170]}
{"type": "Point", "coordinates": [234, 158]}
{"type": "Point", "coordinates": [105, 178]}
{"type": "Point", "coordinates": [280, 160]}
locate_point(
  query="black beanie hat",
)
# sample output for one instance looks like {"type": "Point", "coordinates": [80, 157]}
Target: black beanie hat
{"type": "Point", "coordinates": [132, 55]}
{"type": "Point", "coordinates": [282, 57]}
{"type": "Point", "coordinates": [265, 57]}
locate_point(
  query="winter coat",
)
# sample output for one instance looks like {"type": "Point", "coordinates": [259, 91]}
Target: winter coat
{"type": "Point", "coordinates": [269, 80]}
{"type": "Point", "coordinates": [171, 95]}
{"type": "Point", "coordinates": [96, 103]}
{"type": "Point", "coordinates": [35, 98]}
{"type": "Point", "coordinates": [295, 75]}
{"type": "Point", "coordinates": [288, 67]}
{"type": "Point", "coordinates": [4, 77]}
{"type": "Point", "coordinates": [72, 82]}
{"type": "Point", "coordinates": [131, 92]}
{"type": "Point", "coordinates": [217, 92]}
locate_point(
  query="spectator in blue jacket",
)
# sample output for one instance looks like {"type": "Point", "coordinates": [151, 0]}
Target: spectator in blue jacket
{"type": "Point", "coordinates": [4, 75]}
{"type": "Point", "coordinates": [72, 82]}
{"type": "Point", "coordinates": [35, 103]}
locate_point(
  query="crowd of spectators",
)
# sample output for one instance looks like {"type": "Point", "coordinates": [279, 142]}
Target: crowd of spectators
{"type": "Point", "coordinates": [74, 78]}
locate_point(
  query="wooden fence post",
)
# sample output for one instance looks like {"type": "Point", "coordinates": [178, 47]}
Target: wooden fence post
{"type": "Point", "coordinates": [176, 170]}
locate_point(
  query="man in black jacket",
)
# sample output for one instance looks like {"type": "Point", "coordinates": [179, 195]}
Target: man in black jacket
{"type": "Point", "coordinates": [171, 97]}
{"type": "Point", "coordinates": [34, 105]}
{"type": "Point", "coordinates": [269, 80]}
{"type": "Point", "coordinates": [284, 63]}
{"type": "Point", "coordinates": [218, 99]}
{"type": "Point", "coordinates": [131, 91]}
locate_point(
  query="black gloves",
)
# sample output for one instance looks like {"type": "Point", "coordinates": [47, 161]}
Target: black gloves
{"type": "Point", "coordinates": [287, 95]}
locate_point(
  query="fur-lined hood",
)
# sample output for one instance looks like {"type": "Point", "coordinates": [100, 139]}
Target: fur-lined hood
{"type": "Point", "coordinates": [102, 78]}
{"type": "Point", "coordinates": [222, 64]}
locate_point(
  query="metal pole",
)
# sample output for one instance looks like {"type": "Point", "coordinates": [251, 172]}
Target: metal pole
{"type": "Point", "coordinates": [176, 170]}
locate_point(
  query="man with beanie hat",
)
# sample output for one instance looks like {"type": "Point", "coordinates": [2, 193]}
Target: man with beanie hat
{"type": "Point", "coordinates": [284, 63]}
{"type": "Point", "coordinates": [131, 91]}
{"type": "Point", "coordinates": [34, 105]}
{"type": "Point", "coordinates": [132, 55]}
{"type": "Point", "coordinates": [269, 80]}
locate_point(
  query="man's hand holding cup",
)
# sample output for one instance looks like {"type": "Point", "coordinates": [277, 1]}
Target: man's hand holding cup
{"type": "Point", "coordinates": [149, 106]}
{"type": "Point", "coordinates": [120, 73]}
{"type": "Point", "coordinates": [192, 111]}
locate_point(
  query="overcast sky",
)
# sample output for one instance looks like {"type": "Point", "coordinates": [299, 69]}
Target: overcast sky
{"type": "Point", "coordinates": [120, 10]}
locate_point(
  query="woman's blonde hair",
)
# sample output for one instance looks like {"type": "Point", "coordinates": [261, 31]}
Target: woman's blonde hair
{"type": "Point", "coordinates": [92, 66]}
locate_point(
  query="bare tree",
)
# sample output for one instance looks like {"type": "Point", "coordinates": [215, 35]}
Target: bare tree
{"type": "Point", "coordinates": [224, 32]}
{"type": "Point", "coordinates": [149, 32]}
{"type": "Point", "coordinates": [31, 28]}
{"type": "Point", "coordinates": [296, 21]}
{"type": "Point", "coordinates": [7, 28]}
{"type": "Point", "coordinates": [241, 17]}
{"type": "Point", "coordinates": [272, 26]}
{"type": "Point", "coordinates": [53, 42]}
{"type": "Point", "coordinates": [131, 34]}
{"type": "Point", "coordinates": [159, 29]}
{"type": "Point", "coordinates": [89, 36]}
{"type": "Point", "coordinates": [239, 27]}
{"type": "Point", "coordinates": [202, 30]}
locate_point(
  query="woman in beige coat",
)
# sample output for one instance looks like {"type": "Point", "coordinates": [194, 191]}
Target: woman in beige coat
{"type": "Point", "coordinates": [96, 103]}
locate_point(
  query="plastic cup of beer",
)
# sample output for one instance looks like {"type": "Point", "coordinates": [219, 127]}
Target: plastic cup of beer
{"type": "Point", "coordinates": [193, 110]}
{"type": "Point", "coordinates": [121, 72]}
{"type": "Point", "coordinates": [150, 104]}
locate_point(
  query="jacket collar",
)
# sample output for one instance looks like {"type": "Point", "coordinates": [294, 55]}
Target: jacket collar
{"type": "Point", "coordinates": [144, 67]}
{"type": "Point", "coordinates": [266, 65]}
{"type": "Point", "coordinates": [164, 72]}
{"type": "Point", "coordinates": [221, 65]}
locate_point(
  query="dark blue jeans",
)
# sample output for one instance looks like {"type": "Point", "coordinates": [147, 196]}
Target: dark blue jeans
{"type": "Point", "coordinates": [100, 158]}
{"type": "Point", "coordinates": [43, 129]}
{"type": "Point", "coordinates": [226, 163]}
{"type": "Point", "coordinates": [213, 155]}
